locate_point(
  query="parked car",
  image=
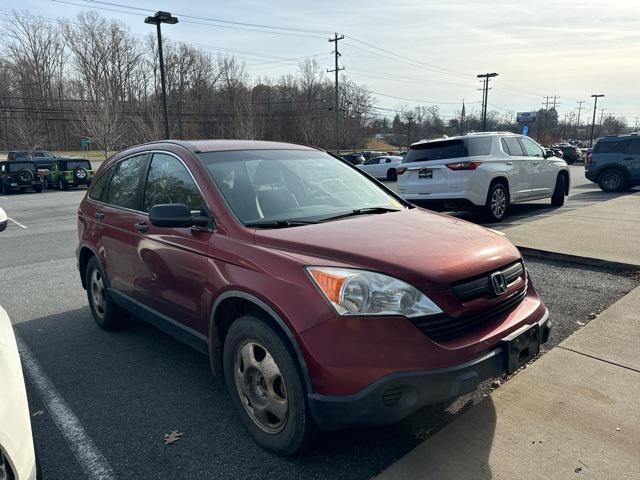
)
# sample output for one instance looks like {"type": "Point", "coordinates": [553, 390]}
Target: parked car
{"type": "Point", "coordinates": [17, 452]}
{"type": "Point", "coordinates": [354, 158]}
{"type": "Point", "coordinates": [66, 173]}
{"type": "Point", "coordinates": [614, 163]}
{"type": "Point", "coordinates": [487, 171]}
{"type": "Point", "coordinates": [382, 167]}
{"type": "Point", "coordinates": [570, 154]}
{"type": "Point", "coordinates": [42, 158]}
{"type": "Point", "coordinates": [245, 250]}
{"type": "Point", "coordinates": [19, 175]}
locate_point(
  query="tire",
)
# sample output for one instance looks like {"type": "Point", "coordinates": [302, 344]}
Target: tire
{"type": "Point", "coordinates": [38, 188]}
{"type": "Point", "coordinates": [62, 185]}
{"type": "Point", "coordinates": [392, 175]}
{"type": "Point", "coordinates": [557, 199]}
{"type": "Point", "coordinates": [6, 189]}
{"type": "Point", "coordinates": [291, 428]}
{"type": "Point", "coordinates": [106, 313]}
{"type": "Point", "coordinates": [612, 180]}
{"type": "Point", "coordinates": [497, 203]}
{"type": "Point", "coordinates": [45, 183]}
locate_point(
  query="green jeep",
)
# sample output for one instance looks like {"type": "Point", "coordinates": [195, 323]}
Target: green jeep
{"type": "Point", "coordinates": [65, 173]}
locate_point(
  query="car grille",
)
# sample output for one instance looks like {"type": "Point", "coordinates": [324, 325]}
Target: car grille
{"type": "Point", "coordinates": [479, 286]}
{"type": "Point", "coordinates": [443, 328]}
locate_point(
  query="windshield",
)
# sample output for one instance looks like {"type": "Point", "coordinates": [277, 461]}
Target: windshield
{"type": "Point", "coordinates": [286, 185]}
{"type": "Point", "coordinates": [17, 166]}
{"type": "Point", "coordinates": [73, 164]}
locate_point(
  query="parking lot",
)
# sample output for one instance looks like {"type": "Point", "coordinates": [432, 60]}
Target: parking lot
{"type": "Point", "coordinates": [127, 389]}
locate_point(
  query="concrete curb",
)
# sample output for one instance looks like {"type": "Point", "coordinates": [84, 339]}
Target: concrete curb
{"type": "Point", "coordinates": [587, 261]}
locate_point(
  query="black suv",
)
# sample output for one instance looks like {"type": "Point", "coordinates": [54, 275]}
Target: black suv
{"type": "Point", "coordinates": [614, 163]}
{"type": "Point", "coordinates": [19, 175]}
{"type": "Point", "coordinates": [42, 158]}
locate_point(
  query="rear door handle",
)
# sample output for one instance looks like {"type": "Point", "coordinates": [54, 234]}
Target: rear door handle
{"type": "Point", "coordinates": [100, 215]}
{"type": "Point", "coordinates": [141, 227]}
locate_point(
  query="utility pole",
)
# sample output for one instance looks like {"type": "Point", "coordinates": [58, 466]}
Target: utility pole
{"type": "Point", "coordinates": [409, 120]}
{"type": "Point", "coordinates": [485, 96]}
{"type": "Point", "coordinates": [593, 122]}
{"type": "Point", "coordinates": [635, 124]}
{"type": "Point", "coordinates": [157, 19]}
{"type": "Point", "coordinates": [180, 104]}
{"type": "Point", "coordinates": [337, 69]}
{"type": "Point", "coordinates": [543, 120]}
{"type": "Point", "coordinates": [601, 115]}
{"type": "Point", "coordinates": [580, 103]}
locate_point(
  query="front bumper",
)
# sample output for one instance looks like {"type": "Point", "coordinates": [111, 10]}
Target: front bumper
{"type": "Point", "coordinates": [591, 175]}
{"type": "Point", "coordinates": [398, 395]}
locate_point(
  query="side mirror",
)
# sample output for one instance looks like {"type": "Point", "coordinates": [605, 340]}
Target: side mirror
{"type": "Point", "coordinates": [549, 154]}
{"type": "Point", "coordinates": [3, 220]}
{"type": "Point", "coordinates": [175, 215]}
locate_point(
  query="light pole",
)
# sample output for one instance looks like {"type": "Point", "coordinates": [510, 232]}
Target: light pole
{"type": "Point", "coordinates": [157, 19]}
{"type": "Point", "coordinates": [593, 122]}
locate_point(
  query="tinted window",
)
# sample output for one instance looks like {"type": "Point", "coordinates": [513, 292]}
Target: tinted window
{"type": "Point", "coordinates": [373, 161]}
{"type": "Point", "coordinates": [73, 164]}
{"type": "Point", "coordinates": [611, 146]}
{"type": "Point", "coordinates": [169, 181]}
{"type": "Point", "coordinates": [439, 150]}
{"type": "Point", "coordinates": [123, 190]}
{"type": "Point", "coordinates": [531, 148]}
{"type": "Point", "coordinates": [17, 166]}
{"type": "Point", "coordinates": [513, 146]}
{"type": "Point", "coordinates": [479, 146]}
{"type": "Point", "coordinates": [634, 146]}
{"type": "Point", "coordinates": [99, 188]}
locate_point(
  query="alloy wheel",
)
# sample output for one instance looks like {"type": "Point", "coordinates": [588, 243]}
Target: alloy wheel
{"type": "Point", "coordinates": [498, 202]}
{"type": "Point", "coordinates": [261, 387]}
{"type": "Point", "coordinates": [98, 294]}
{"type": "Point", "coordinates": [612, 181]}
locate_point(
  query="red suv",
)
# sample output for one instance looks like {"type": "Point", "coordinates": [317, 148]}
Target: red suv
{"type": "Point", "coordinates": [323, 298]}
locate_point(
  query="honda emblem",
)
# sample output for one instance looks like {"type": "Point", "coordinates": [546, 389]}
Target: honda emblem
{"type": "Point", "coordinates": [498, 283]}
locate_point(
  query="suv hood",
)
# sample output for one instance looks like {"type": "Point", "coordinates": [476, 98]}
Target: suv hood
{"type": "Point", "coordinates": [427, 250]}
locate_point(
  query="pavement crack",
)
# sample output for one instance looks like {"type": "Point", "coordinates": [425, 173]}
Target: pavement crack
{"type": "Point", "coordinates": [600, 359]}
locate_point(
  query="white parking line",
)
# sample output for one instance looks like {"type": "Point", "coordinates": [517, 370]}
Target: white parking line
{"type": "Point", "coordinates": [17, 223]}
{"type": "Point", "coordinates": [91, 460]}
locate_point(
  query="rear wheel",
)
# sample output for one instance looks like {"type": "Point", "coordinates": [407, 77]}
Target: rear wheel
{"type": "Point", "coordinates": [106, 313]}
{"type": "Point", "coordinates": [392, 174]}
{"type": "Point", "coordinates": [495, 208]}
{"type": "Point", "coordinates": [6, 189]}
{"type": "Point", "coordinates": [266, 388]}
{"type": "Point", "coordinates": [612, 180]}
{"type": "Point", "coordinates": [557, 199]}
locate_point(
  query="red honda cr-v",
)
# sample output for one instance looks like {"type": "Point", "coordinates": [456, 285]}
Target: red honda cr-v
{"type": "Point", "coordinates": [323, 298]}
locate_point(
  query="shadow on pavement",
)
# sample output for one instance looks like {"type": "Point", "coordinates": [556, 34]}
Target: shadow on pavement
{"type": "Point", "coordinates": [130, 387]}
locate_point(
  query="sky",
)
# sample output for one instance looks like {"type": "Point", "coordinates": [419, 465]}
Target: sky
{"type": "Point", "coordinates": [417, 52]}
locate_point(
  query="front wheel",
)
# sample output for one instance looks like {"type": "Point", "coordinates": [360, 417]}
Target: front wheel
{"type": "Point", "coordinates": [557, 199]}
{"type": "Point", "coordinates": [266, 388]}
{"type": "Point", "coordinates": [495, 208]}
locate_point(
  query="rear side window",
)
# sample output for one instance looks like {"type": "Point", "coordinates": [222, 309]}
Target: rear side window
{"type": "Point", "coordinates": [513, 146]}
{"type": "Point", "coordinates": [98, 191]}
{"type": "Point", "coordinates": [169, 181]}
{"type": "Point", "coordinates": [440, 150]}
{"type": "Point", "coordinates": [611, 146]}
{"type": "Point", "coordinates": [123, 190]}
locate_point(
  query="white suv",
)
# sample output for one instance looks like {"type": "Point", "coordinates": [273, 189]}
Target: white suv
{"type": "Point", "coordinates": [488, 170]}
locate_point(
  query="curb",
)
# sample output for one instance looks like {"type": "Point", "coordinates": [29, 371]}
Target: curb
{"type": "Point", "coordinates": [588, 261]}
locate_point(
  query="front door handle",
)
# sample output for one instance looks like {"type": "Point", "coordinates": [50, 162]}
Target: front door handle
{"type": "Point", "coordinates": [628, 158]}
{"type": "Point", "coordinates": [100, 215]}
{"type": "Point", "coordinates": [141, 227]}
{"type": "Point", "coordinates": [509, 163]}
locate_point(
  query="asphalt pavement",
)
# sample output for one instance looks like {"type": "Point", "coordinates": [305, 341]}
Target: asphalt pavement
{"type": "Point", "coordinates": [128, 388]}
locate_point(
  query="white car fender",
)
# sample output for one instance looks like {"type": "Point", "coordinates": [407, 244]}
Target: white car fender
{"type": "Point", "coordinates": [16, 439]}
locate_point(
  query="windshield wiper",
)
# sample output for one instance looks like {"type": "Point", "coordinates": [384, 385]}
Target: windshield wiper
{"type": "Point", "coordinates": [362, 211]}
{"type": "Point", "coordinates": [278, 223]}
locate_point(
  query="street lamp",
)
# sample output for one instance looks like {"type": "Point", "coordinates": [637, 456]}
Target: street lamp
{"type": "Point", "coordinates": [593, 123]}
{"type": "Point", "coordinates": [157, 19]}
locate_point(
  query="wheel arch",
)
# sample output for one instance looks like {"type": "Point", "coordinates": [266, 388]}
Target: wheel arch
{"type": "Point", "coordinates": [231, 305]}
{"type": "Point", "coordinates": [85, 253]}
{"type": "Point", "coordinates": [499, 178]}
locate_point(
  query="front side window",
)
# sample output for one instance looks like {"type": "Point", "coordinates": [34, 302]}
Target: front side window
{"type": "Point", "coordinates": [531, 148]}
{"type": "Point", "coordinates": [169, 181]}
{"type": "Point", "coordinates": [123, 190]}
{"type": "Point", "coordinates": [99, 188]}
{"type": "Point", "coordinates": [302, 185]}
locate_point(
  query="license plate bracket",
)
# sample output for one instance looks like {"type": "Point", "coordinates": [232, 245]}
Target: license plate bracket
{"type": "Point", "coordinates": [521, 346]}
{"type": "Point", "coordinates": [425, 173]}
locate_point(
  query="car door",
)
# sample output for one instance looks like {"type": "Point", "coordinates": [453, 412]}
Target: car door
{"type": "Point", "coordinates": [518, 168]}
{"type": "Point", "coordinates": [538, 177]}
{"type": "Point", "coordinates": [371, 166]}
{"type": "Point", "coordinates": [631, 160]}
{"type": "Point", "coordinates": [172, 279]}
{"type": "Point", "coordinates": [118, 216]}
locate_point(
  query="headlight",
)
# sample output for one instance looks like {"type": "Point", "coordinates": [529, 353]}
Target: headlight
{"type": "Point", "coordinates": [360, 292]}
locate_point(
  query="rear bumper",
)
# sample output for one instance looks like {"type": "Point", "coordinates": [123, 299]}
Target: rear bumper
{"type": "Point", "coordinates": [398, 395]}
{"type": "Point", "coordinates": [451, 200]}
